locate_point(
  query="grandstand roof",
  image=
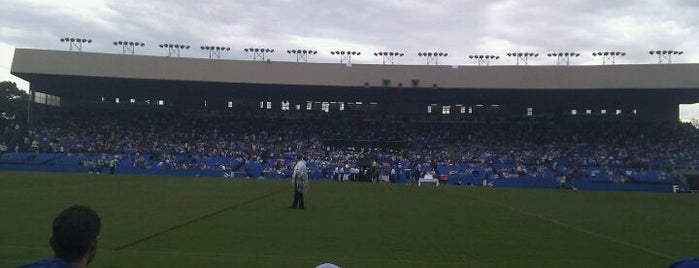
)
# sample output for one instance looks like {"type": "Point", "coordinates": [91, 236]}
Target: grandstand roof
{"type": "Point", "coordinates": [61, 71]}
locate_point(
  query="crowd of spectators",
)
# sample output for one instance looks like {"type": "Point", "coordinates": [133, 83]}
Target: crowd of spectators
{"type": "Point", "coordinates": [369, 144]}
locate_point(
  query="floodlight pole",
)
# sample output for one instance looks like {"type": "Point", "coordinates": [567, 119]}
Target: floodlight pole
{"type": "Point", "coordinates": [563, 57]}
{"type": "Point", "coordinates": [75, 43]}
{"type": "Point", "coordinates": [302, 54]}
{"type": "Point", "coordinates": [388, 57]}
{"type": "Point", "coordinates": [345, 56]}
{"type": "Point", "coordinates": [665, 56]}
{"type": "Point", "coordinates": [173, 49]}
{"type": "Point", "coordinates": [258, 53]}
{"type": "Point", "coordinates": [432, 57]}
{"type": "Point", "coordinates": [523, 57]}
{"type": "Point", "coordinates": [484, 59]}
{"type": "Point", "coordinates": [128, 46]}
{"type": "Point", "coordinates": [608, 56]}
{"type": "Point", "coordinates": [215, 51]}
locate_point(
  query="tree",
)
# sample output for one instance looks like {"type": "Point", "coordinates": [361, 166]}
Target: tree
{"type": "Point", "coordinates": [13, 104]}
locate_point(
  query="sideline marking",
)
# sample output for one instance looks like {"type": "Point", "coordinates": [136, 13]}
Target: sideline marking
{"type": "Point", "coordinates": [200, 218]}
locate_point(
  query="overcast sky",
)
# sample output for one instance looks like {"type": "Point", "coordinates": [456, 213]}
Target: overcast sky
{"type": "Point", "coordinates": [458, 27]}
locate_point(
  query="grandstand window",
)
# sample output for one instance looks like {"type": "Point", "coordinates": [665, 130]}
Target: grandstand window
{"type": "Point", "coordinates": [325, 106]}
{"type": "Point", "coordinates": [603, 111]}
{"type": "Point", "coordinates": [429, 109]}
{"type": "Point", "coordinates": [618, 112]}
{"type": "Point", "coordinates": [386, 82]}
{"type": "Point", "coordinates": [48, 99]}
{"type": "Point", "coordinates": [588, 111]}
{"type": "Point", "coordinates": [463, 109]}
{"type": "Point", "coordinates": [446, 109]}
{"type": "Point", "coordinates": [116, 100]}
{"type": "Point", "coordinates": [342, 106]}
{"type": "Point", "coordinates": [298, 107]}
{"type": "Point", "coordinates": [635, 111]}
{"type": "Point", "coordinates": [269, 105]}
{"type": "Point", "coordinates": [230, 104]}
{"type": "Point", "coordinates": [161, 102]}
{"type": "Point", "coordinates": [415, 83]}
{"type": "Point", "coordinates": [132, 100]}
{"type": "Point", "coordinates": [530, 111]}
{"type": "Point", "coordinates": [53, 100]}
{"type": "Point", "coordinates": [205, 103]}
{"type": "Point", "coordinates": [309, 105]}
{"type": "Point", "coordinates": [470, 109]}
{"type": "Point", "coordinates": [573, 112]}
{"type": "Point", "coordinates": [262, 105]}
{"type": "Point", "coordinates": [285, 105]}
{"type": "Point", "coordinates": [40, 97]}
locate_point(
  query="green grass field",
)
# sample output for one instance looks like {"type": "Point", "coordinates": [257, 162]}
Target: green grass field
{"type": "Point", "coordinates": [150, 221]}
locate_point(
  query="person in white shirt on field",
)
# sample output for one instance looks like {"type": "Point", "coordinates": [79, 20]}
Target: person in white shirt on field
{"type": "Point", "coordinates": [300, 181]}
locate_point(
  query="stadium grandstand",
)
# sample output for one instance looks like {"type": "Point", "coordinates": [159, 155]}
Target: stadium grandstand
{"type": "Point", "coordinates": [610, 127]}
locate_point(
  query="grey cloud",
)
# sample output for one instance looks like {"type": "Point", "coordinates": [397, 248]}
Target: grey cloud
{"type": "Point", "coordinates": [457, 27]}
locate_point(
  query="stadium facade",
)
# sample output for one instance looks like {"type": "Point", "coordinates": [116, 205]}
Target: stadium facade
{"type": "Point", "coordinates": [79, 79]}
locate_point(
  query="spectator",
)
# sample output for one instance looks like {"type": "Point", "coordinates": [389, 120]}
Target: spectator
{"type": "Point", "coordinates": [74, 239]}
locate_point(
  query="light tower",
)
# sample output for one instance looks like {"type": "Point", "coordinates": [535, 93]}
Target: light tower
{"type": "Point", "coordinates": [215, 51]}
{"type": "Point", "coordinates": [258, 53]}
{"type": "Point", "coordinates": [345, 56]}
{"type": "Point", "coordinates": [523, 57]}
{"type": "Point", "coordinates": [173, 49]}
{"type": "Point", "coordinates": [609, 56]}
{"type": "Point", "coordinates": [484, 59]}
{"type": "Point", "coordinates": [75, 43]}
{"type": "Point", "coordinates": [302, 54]}
{"type": "Point", "coordinates": [432, 57]}
{"type": "Point", "coordinates": [563, 57]}
{"type": "Point", "coordinates": [128, 46]}
{"type": "Point", "coordinates": [388, 57]}
{"type": "Point", "coordinates": [665, 56]}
